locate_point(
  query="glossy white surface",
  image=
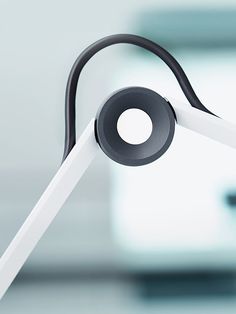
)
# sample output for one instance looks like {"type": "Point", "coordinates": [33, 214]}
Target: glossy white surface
{"type": "Point", "coordinates": [134, 126]}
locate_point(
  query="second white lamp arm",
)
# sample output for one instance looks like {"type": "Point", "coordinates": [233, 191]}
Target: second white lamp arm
{"type": "Point", "coordinates": [47, 207]}
{"type": "Point", "coordinates": [203, 123]}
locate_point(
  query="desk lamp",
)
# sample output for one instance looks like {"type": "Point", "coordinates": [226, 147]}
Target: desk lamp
{"type": "Point", "coordinates": [102, 134]}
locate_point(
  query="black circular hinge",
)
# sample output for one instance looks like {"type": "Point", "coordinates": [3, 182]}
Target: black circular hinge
{"type": "Point", "coordinates": [163, 126]}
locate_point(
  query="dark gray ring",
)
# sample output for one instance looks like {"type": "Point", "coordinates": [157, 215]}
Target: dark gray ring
{"type": "Point", "coordinates": [162, 117]}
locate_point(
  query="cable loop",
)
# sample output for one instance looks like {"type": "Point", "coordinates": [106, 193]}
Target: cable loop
{"type": "Point", "coordinates": [88, 53]}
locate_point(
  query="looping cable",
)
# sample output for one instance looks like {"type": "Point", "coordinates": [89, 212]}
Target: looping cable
{"type": "Point", "coordinates": [88, 53]}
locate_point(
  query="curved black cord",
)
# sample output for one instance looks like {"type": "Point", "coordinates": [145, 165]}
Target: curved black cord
{"type": "Point", "coordinates": [88, 53]}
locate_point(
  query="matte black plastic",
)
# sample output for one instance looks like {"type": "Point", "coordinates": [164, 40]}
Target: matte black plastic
{"type": "Point", "coordinates": [162, 118]}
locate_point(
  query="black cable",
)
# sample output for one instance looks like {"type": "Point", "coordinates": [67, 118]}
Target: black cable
{"type": "Point", "coordinates": [88, 53]}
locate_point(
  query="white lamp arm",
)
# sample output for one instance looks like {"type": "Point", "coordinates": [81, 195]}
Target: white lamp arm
{"type": "Point", "coordinates": [47, 207]}
{"type": "Point", "coordinates": [204, 123]}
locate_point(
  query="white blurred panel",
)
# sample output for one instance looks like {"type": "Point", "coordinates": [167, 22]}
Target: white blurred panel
{"type": "Point", "coordinates": [172, 211]}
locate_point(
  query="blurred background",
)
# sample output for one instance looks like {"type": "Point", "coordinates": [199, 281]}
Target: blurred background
{"type": "Point", "coordinates": [154, 239]}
